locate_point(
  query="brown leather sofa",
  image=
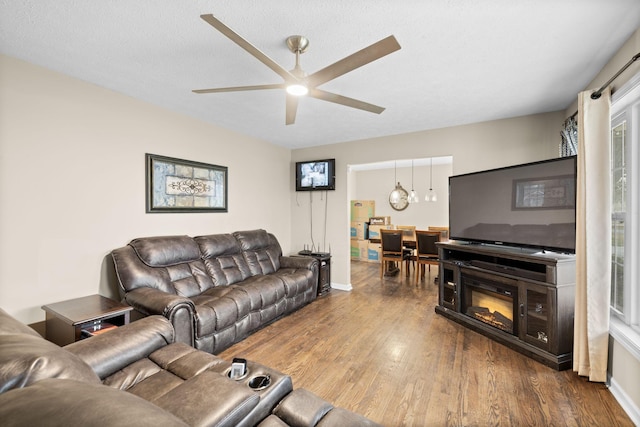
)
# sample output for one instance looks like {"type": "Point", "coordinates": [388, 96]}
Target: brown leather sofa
{"type": "Point", "coordinates": [137, 375]}
{"type": "Point", "coordinates": [215, 289]}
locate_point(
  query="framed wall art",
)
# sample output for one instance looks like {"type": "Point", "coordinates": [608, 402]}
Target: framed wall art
{"type": "Point", "coordinates": [176, 185]}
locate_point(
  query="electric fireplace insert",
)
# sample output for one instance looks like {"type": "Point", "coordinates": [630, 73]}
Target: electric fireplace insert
{"type": "Point", "coordinates": [490, 302]}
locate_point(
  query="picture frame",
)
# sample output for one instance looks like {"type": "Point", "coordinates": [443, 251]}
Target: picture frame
{"type": "Point", "coordinates": [177, 185]}
{"type": "Point", "coordinates": [556, 192]}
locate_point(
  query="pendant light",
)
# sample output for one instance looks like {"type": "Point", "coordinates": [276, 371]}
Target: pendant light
{"type": "Point", "coordinates": [413, 197]}
{"type": "Point", "coordinates": [431, 195]}
{"type": "Point", "coordinates": [394, 197]}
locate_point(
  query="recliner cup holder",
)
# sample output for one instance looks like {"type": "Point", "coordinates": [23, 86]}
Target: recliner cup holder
{"type": "Point", "coordinates": [259, 382]}
{"type": "Point", "coordinates": [243, 376]}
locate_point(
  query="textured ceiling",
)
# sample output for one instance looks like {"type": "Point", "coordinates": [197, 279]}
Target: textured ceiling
{"type": "Point", "coordinates": [462, 61]}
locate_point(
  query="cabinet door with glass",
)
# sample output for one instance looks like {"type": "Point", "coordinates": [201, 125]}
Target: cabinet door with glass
{"type": "Point", "coordinates": [537, 314]}
{"type": "Point", "coordinates": [449, 286]}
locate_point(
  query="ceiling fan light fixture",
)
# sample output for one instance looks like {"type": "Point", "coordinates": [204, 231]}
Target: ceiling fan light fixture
{"type": "Point", "coordinates": [297, 89]}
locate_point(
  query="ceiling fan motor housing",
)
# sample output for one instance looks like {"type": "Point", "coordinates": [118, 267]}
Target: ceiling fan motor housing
{"type": "Point", "coordinates": [297, 44]}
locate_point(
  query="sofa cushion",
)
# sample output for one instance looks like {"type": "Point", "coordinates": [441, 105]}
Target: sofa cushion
{"type": "Point", "coordinates": [261, 250]}
{"type": "Point", "coordinates": [163, 251]}
{"type": "Point", "coordinates": [185, 361]}
{"type": "Point", "coordinates": [215, 245]}
{"type": "Point", "coordinates": [26, 359]}
{"type": "Point", "coordinates": [223, 258]}
{"type": "Point", "coordinates": [209, 399]}
{"type": "Point", "coordinates": [189, 279]}
{"type": "Point", "coordinates": [189, 384]}
{"type": "Point", "coordinates": [169, 263]}
{"type": "Point", "coordinates": [219, 308]}
{"type": "Point", "coordinates": [264, 291]}
{"type": "Point", "coordinates": [60, 402]}
{"type": "Point", "coordinates": [162, 370]}
{"type": "Point", "coordinates": [133, 273]}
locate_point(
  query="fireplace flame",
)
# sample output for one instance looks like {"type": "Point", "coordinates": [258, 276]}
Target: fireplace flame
{"type": "Point", "coordinates": [493, 309]}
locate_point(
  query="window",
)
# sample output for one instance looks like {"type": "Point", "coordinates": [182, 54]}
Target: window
{"type": "Point", "coordinates": [618, 213]}
{"type": "Point", "coordinates": [625, 231]}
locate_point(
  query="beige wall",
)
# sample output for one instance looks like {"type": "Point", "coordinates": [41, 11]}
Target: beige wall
{"type": "Point", "coordinates": [72, 183]}
{"type": "Point", "coordinates": [474, 147]}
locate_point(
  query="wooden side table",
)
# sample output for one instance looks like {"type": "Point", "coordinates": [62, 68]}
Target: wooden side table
{"type": "Point", "coordinates": [66, 320]}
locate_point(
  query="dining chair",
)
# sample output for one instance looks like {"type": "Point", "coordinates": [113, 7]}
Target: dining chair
{"type": "Point", "coordinates": [409, 242]}
{"type": "Point", "coordinates": [426, 250]}
{"type": "Point", "coordinates": [444, 232]}
{"type": "Point", "coordinates": [408, 231]}
{"type": "Point", "coordinates": [392, 249]}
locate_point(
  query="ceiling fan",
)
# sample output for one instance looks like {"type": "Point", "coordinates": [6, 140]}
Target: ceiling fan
{"type": "Point", "coordinates": [297, 82]}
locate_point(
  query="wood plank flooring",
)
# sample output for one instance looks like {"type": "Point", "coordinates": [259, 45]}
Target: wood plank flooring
{"type": "Point", "coordinates": [381, 351]}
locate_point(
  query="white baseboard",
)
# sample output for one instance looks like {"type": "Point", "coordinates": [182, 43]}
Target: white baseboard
{"type": "Point", "coordinates": [341, 287]}
{"type": "Point", "coordinates": [623, 399]}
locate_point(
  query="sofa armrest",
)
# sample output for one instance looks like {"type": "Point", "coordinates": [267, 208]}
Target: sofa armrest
{"type": "Point", "coordinates": [303, 408]}
{"type": "Point", "coordinates": [153, 301]}
{"type": "Point", "coordinates": [179, 310]}
{"type": "Point", "coordinates": [303, 262]}
{"type": "Point", "coordinates": [109, 352]}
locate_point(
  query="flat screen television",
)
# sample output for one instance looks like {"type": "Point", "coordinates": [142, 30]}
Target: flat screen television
{"type": "Point", "coordinates": [316, 175]}
{"type": "Point", "coordinates": [531, 205]}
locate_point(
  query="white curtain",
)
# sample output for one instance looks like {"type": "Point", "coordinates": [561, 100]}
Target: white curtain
{"type": "Point", "coordinates": [593, 237]}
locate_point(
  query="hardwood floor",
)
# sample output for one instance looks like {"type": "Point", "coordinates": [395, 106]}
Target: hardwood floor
{"type": "Point", "coordinates": [383, 352]}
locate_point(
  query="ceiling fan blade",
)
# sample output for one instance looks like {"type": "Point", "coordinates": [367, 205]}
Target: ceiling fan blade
{"type": "Point", "coordinates": [237, 39]}
{"type": "Point", "coordinates": [240, 88]}
{"type": "Point", "coordinates": [343, 100]}
{"type": "Point", "coordinates": [356, 60]}
{"type": "Point", "coordinates": [292, 109]}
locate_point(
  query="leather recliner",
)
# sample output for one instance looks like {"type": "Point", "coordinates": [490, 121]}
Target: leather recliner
{"type": "Point", "coordinates": [136, 374]}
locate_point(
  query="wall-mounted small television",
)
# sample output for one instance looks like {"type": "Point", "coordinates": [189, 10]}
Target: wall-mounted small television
{"type": "Point", "coordinates": [316, 175]}
{"type": "Point", "coordinates": [530, 205]}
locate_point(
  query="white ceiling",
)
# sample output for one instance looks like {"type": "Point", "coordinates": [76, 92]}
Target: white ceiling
{"type": "Point", "coordinates": [462, 61]}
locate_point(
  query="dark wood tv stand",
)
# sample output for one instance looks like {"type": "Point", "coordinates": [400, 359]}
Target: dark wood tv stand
{"type": "Point", "coordinates": [520, 297]}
